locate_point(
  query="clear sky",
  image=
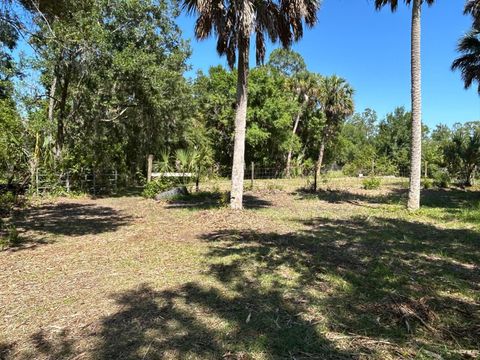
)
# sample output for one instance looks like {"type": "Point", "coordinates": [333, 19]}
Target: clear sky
{"type": "Point", "coordinates": [372, 51]}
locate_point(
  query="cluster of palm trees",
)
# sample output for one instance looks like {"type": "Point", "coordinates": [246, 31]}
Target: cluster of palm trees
{"type": "Point", "coordinates": [234, 22]}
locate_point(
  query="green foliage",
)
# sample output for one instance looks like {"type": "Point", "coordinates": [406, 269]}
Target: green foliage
{"type": "Point", "coordinates": [470, 214]}
{"type": "Point", "coordinates": [427, 183]}
{"type": "Point", "coordinates": [442, 179]}
{"type": "Point", "coordinates": [116, 69]}
{"type": "Point", "coordinates": [12, 155]}
{"type": "Point", "coordinates": [287, 62]}
{"type": "Point", "coordinates": [159, 185]}
{"type": "Point", "coordinates": [462, 153]}
{"type": "Point", "coordinates": [7, 201]}
{"type": "Point", "coordinates": [10, 235]}
{"type": "Point", "coordinates": [371, 183]}
{"type": "Point", "coordinates": [393, 139]}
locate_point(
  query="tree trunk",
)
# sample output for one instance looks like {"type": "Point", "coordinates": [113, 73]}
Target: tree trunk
{"type": "Point", "coordinates": [51, 103]}
{"type": "Point", "coordinates": [416, 150]}
{"type": "Point", "coordinates": [62, 115]}
{"type": "Point", "coordinates": [290, 150]}
{"type": "Point", "coordinates": [320, 160]}
{"type": "Point", "coordinates": [236, 197]}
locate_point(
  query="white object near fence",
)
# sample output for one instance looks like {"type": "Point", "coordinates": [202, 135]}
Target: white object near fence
{"type": "Point", "coordinates": [172, 174]}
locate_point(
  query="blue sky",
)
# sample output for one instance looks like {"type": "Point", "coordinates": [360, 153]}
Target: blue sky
{"type": "Point", "coordinates": [372, 51]}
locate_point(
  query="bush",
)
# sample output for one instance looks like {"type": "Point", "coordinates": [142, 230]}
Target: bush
{"type": "Point", "coordinates": [158, 185]}
{"type": "Point", "coordinates": [427, 183]}
{"type": "Point", "coordinates": [8, 235]}
{"type": "Point", "coordinates": [372, 183]}
{"type": "Point", "coordinates": [442, 179]}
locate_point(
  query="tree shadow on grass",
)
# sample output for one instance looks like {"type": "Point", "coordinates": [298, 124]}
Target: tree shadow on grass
{"type": "Point", "coordinates": [380, 281]}
{"type": "Point", "coordinates": [337, 196]}
{"type": "Point", "coordinates": [214, 200]}
{"type": "Point", "coordinates": [384, 284]}
{"type": "Point", "coordinates": [365, 287]}
{"type": "Point", "coordinates": [449, 198]}
{"type": "Point", "coordinates": [198, 322]}
{"type": "Point", "coordinates": [36, 225]}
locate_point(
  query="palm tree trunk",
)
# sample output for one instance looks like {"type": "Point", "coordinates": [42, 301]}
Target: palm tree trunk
{"type": "Point", "coordinates": [320, 160]}
{"type": "Point", "coordinates": [236, 196]}
{"type": "Point", "coordinates": [290, 149]}
{"type": "Point", "coordinates": [416, 150]}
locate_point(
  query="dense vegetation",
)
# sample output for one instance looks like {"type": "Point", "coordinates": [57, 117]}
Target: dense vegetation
{"type": "Point", "coordinates": [105, 86]}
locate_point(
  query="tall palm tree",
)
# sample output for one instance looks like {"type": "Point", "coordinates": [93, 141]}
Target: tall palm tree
{"type": "Point", "coordinates": [336, 101]}
{"type": "Point", "coordinates": [469, 62]}
{"type": "Point", "coordinates": [233, 23]}
{"type": "Point", "coordinates": [416, 89]}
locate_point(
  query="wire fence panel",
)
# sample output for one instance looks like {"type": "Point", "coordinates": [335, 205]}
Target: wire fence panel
{"type": "Point", "coordinates": [84, 181]}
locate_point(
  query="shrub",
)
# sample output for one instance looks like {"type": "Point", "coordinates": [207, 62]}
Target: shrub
{"type": "Point", "coordinates": [8, 235]}
{"type": "Point", "coordinates": [442, 179]}
{"type": "Point", "coordinates": [224, 199]}
{"type": "Point", "coordinates": [427, 183]}
{"type": "Point", "coordinates": [158, 185]}
{"type": "Point", "coordinates": [7, 201]}
{"type": "Point", "coordinates": [371, 183]}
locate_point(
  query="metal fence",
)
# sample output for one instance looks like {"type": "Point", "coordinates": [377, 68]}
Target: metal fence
{"type": "Point", "coordinates": [92, 182]}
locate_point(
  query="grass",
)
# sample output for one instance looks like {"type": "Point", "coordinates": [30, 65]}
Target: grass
{"type": "Point", "coordinates": [344, 273]}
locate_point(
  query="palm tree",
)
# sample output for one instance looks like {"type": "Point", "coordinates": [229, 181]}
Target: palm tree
{"type": "Point", "coordinates": [416, 89]}
{"type": "Point", "coordinates": [469, 62]}
{"type": "Point", "coordinates": [305, 85]}
{"type": "Point", "coordinates": [233, 23]}
{"type": "Point", "coordinates": [472, 7]}
{"type": "Point", "coordinates": [336, 101]}
{"type": "Point", "coordinates": [469, 46]}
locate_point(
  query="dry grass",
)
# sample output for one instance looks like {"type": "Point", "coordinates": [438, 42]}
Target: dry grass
{"type": "Point", "coordinates": [341, 274]}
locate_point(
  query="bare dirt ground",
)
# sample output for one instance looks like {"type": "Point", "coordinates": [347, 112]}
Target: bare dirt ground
{"type": "Point", "coordinates": [340, 274]}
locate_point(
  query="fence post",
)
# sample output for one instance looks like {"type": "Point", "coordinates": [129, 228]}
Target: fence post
{"type": "Point", "coordinates": [116, 180]}
{"type": "Point", "coordinates": [197, 180]}
{"type": "Point", "coordinates": [315, 177]}
{"type": "Point", "coordinates": [94, 184]}
{"type": "Point", "coordinates": [149, 168]}
{"type": "Point", "coordinates": [252, 166]}
{"type": "Point", "coordinates": [36, 180]}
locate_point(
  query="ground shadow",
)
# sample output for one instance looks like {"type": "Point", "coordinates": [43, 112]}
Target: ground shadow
{"type": "Point", "coordinates": [214, 200]}
{"type": "Point", "coordinates": [385, 280]}
{"type": "Point", "coordinates": [380, 287]}
{"type": "Point", "coordinates": [449, 199]}
{"type": "Point", "coordinates": [36, 225]}
{"type": "Point", "coordinates": [337, 196]}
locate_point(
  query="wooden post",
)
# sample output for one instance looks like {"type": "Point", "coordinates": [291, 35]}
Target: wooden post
{"type": "Point", "coordinates": [315, 177]}
{"type": "Point", "coordinates": [116, 180]}
{"type": "Point", "coordinates": [94, 184]}
{"type": "Point", "coordinates": [149, 168]}
{"type": "Point", "coordinates": [253, 174]}
{"type": "Point", "coordinates": [197, 180]}
{"type": "Point", "coordinates": [36, 179]}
